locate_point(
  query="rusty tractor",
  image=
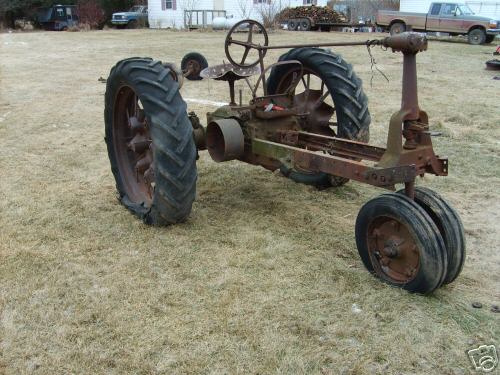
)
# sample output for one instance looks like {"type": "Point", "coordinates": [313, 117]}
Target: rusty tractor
{"type": "Point", "coordinates": [307, 117]}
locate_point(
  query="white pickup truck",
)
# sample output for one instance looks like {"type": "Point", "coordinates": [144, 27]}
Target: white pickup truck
{"type": "Point", "coordinates": [452, 18]}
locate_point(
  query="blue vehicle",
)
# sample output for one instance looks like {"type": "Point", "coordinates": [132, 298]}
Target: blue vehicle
{"type": "Point", "coordinates": [135, 17]}
{"type": "Point", "coordinates": [57, 17]}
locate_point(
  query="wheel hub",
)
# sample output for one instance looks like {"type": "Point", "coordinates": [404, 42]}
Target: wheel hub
{"type": "Point", "coordinates": [393, 250]}
{"type": "Point", "coordinates": [193, 68]}
{"type": "Point", "coordinates": [312, 99]}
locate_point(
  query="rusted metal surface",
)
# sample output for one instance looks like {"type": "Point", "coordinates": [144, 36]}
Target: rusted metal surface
{"type": "Point", "coordinates": [248, 44]}
{"type": "Point", "coordinates": [219, 71]}
{"type": "Point", "coordinates": [405, 41]}
{"type": "Point", "coordinates": [193, 67]}
{"type": "Point", "coordinates": [398, 238]}
{"type": "Point", "coordinates": [295, 129]}
{"type": "Point", "coordinates": [225, 140]}
{"type": "Point", "coordinates": [199, 134]}
{"type": "Point", "coordinates": [334, 165]}
{"type": "Point", "coordinates": [133, 146]}
{"type": "Point", "coordinates": [339, 146]}
{"type": "Point", "coordinates": [393, 249]}
{"type": "Point", "coordinates": [230, 74]}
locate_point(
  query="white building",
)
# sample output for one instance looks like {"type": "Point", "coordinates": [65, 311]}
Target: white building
{"type": "Point", "coordinates": [488, 8]}
{"type": "Point", "coordinates": [175, 13]}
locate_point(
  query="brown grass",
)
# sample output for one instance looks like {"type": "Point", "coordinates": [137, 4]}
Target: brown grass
{"type": "Point", "coordinates": [263, 276]}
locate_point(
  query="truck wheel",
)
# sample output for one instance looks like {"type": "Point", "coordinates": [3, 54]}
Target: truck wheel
{"type": "Point", "coordinates": [477, 36]}
{"type": "Point", "coordinates": [345, 98]}
{"type": "Point", "coordinates": [150, 141]}
{"type": "Point", "coordinates": [397, 28]}
{"type": "Point", "coordinates": [292, 25]}
{"type": "Point", "coordinates": [132, 24]}
{"type": "Point", "coordinates": [399, 243]}
{"type": "Point", "coordinates": [489, 39]}
{"type": "Point", "coordinates": [305, 24]}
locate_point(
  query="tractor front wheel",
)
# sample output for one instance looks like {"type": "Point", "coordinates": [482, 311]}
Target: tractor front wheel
{"type": "Point", "coordinates": [400, 243]}
{"type": "Point", "coordinates": [193, 62]}
{"type": "Point", "coordinates": [449, 225]}
{"type": "Point", "coordinates": [150, 141]}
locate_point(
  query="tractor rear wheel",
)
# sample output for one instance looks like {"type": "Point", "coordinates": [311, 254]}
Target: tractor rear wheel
{"type": "Point", "coordinates": [328, 86]}
{"type": "Point", "coordinates": [400, 243]}
{"type": "Point", "coordinates": [150, 141]}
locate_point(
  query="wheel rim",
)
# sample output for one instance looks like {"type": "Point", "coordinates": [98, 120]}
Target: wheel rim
{"type": "Point", "coordinates": [397, 29]}
{"type": "Point", "coordinates": [194, 66]}
{"type": "Point", "coordinates": [394, 253]}
{"type": "Point", "coordinates": [254, 34]}
{"type": "Point", "coordinates": [133, 147]}
{"type": "Point", "coordinates": [313, 97]}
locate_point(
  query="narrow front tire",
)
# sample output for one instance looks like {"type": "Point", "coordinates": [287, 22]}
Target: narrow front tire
{"type": "Point", "coordinates": [399, 243]}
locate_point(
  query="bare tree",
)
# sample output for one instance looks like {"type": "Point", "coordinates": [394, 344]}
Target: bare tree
{"type": "Point", "coordinates": [244, 9]}
{"type": "Point", "coordinates": [90, 13]}
{"type": "Point", "coordinates": [268, 11]}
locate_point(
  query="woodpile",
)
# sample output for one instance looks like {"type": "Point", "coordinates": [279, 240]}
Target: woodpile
{"type": "Point", "coordinates": [318, 14]}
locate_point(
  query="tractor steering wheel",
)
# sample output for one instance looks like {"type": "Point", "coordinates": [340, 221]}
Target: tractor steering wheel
{"type": "Point", "coordinates": [251, 28]}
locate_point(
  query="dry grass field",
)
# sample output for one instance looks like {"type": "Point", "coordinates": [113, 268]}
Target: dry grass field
{"type": "Point", "coordinates": [263, 276]}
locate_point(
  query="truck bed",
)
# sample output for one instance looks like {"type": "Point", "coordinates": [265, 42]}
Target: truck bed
{"type": "Point", "coordinates": [416, 20]}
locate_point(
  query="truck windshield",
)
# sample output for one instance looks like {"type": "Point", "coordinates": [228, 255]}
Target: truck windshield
{"type": "Point", "coordinates": [136, 8]}
{"type": "Point", "coordinates": [465, 10]}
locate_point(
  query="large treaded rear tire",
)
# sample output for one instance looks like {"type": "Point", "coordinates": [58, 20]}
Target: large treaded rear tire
{"type": "Point", "coordinates": [346, 90]}
{"type": "Point", "coordinates": [174, 151]}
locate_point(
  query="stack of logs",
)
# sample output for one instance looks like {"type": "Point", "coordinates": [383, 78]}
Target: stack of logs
{"type": "Point", "coordinates": [318, 14]}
